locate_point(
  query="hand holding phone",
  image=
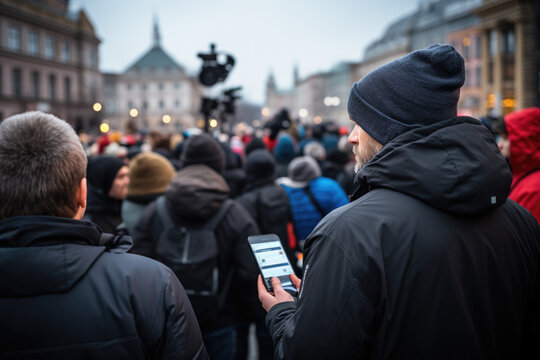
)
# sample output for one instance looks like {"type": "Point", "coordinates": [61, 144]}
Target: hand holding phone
{"type": "Point", "coordinates": [268, 300]}
{"type": "Point", "coordinates": [272, 261]}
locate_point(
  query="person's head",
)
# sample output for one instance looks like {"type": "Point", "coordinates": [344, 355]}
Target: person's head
{"type": "Point", "coordinates": [203, 150]}
{"type": "Point", "coordinates": [149, 173]}
{"type": "Point", "coordinates": [110, 175]}
{"type": "Point", "coordinates": [260, 164]}
{"type": "Point", "coordinates": [303, 169]}
{"type": "Point", "coordinates": [501, 135]}
{"type": "Point", "coordinates": [416, 90]}
{"type": "Point", "coordinates": [522, 139]}
{"type": "Point", "coordinates": [42, 167]}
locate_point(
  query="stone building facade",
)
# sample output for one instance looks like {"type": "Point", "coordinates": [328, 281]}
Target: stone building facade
{"type": "Point", "coordinates": [48, 61]}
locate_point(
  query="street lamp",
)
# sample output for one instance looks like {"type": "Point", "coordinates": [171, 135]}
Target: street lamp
{"type": "Point", "coordinates": [104, 127]}
{"type": "Point", "coordinates": [133, 112]}
{"type": "Point", "coordinates": [213, 123]}
{"type": "Point", "coordinates": [303, 113]}
{"type": "Point", "coordinates": [166, 119]}
{"type": "Point", "coordinates": [97, 107]}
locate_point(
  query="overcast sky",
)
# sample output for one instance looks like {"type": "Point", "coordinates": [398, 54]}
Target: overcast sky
{"type": "Point", "coordinates": [263, 35]}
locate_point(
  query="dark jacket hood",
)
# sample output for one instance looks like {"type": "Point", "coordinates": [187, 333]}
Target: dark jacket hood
{"type": "Point", "coordinates": [101, 203]}
{"type": "Point", "coordinates": [196, 193]}
{"type": "Point", "coordinates": [454, 165]}
{"type": "Point", "coordinates": [45, 255]}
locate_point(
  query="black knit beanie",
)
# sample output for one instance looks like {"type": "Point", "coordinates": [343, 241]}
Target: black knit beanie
{"type": "Point", "coordinates": [418, 89]}
{"type": "Point", "coordinates": [260, 164]}
{"type": "Point", "coordinates": [203, 149]}
{"type": "Point", "coordinates": [101, 171]}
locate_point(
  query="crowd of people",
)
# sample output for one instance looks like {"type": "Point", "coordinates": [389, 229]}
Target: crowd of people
{"type": "Point", "coordinates": [135, 245]}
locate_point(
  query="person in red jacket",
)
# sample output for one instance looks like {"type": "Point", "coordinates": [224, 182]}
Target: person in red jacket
{"type": "Point", "coordinates": [520, 143]}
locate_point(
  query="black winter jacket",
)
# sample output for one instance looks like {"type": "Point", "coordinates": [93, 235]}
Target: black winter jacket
{"type": "Point", "coordinates": [67, 292]}
{"type": "Point", "coordinates": [430, 260]}
{"type": "Point", "coordinates": [193, 197]}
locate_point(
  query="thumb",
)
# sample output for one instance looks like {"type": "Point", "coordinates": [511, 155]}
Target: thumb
{"type": "Point", "coordinates": [279, 293]}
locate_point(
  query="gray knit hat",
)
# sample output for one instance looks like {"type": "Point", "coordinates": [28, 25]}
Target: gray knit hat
{"type": "Point", "coordinates": [418, 89]}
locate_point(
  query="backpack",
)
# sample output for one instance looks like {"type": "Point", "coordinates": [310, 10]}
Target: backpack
{"type": "Point", "coordinates": [192, 254]}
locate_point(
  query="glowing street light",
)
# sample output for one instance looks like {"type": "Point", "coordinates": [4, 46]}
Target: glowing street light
{"type": "Point", "coordinates": [166, 119]}
{"type": "Point", "coordinates": [331, 101]}
{"type": "Point", "coordinates": [104, 127]}
{"type": "Point", "coordinates": [213, 123]}
{"type": "Point", "coordinates": [265, 111]}
{"type": "Point", "coordinates": [97, 107]}
{"type": "Point", "coordinates": [133, 112]}
{"type": "Point", "coordinates": [303, 113]}
{"type": "Point", "coordinates": [317, 120]}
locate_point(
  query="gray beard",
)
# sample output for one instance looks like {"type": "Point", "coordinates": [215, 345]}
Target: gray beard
{"type": "Point", "coordinates": [365, 153]}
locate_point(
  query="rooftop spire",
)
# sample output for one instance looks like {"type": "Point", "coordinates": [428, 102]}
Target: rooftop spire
{"type": "Point", "coordinates": [157, 36]}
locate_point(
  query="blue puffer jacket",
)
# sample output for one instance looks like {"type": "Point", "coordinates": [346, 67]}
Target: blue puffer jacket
{"type": "Point", "coordinates": [328, 194]}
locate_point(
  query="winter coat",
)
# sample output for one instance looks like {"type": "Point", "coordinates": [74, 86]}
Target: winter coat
{"type": "Point", "coordinates": [429, 261]}
{"type": "Point", "coordinates": [194, 196]}
{"type": "Point", "coordinates": [328, 194]}
{"type": "Point", "coordinates": [67, 292]}
{"type": "Point", "coordinates": [524, 134]}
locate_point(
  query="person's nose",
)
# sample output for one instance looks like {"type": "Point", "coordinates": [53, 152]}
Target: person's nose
{"type": "Point", "coordinates": [353, 137]}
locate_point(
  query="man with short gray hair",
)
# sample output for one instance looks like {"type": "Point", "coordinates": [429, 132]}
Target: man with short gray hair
{"type": "Point", "coordinates": [67, 290]}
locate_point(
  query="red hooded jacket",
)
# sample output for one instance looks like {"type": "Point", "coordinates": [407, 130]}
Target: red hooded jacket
{"type": "Point", "coordinates": [524, 134]}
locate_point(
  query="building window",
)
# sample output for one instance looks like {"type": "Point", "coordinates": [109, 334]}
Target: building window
{"type": "Point", "coordinates": [35, 84]}
{"type": "Point", "coordinates": [161, 104]}
{"type": "Point", "coordinates": [129, 86]}
{"type": "Point", "coordinates": [478, 43]}
{"type": "Point", "coordinates": [14, 40]}
{"type": "Point", "coordinates": [177, 85]}
{"type": "Point", "coordinates": [50, 47]}
{"type": "Point", "coordinates": [52, 87]}
{"type": "Point", "coordinates": [130, 105]}
{"type": "Point", "coordinates": [66, 51]}
{"type": "Point", "coordinates": [160, 86]}
{"type": "Point", "coordinates": [145, 105]}
{"type": "Point", "coordinates": [492, 43]}
{"type": "Point", "coordinates": [67, 88]}
{"type": "Point", "coordinates": [17, 83]}
{"type": "Point", "coordinates": [92, 57]}
{"type": "Point", "coordinates": [144, 86]}
{"type": "Point", "coordinates": [479, 76]}
{"type": "Point", "coordinates": [33, 43]}
{"type": "Point", "coordinates": [509, 42]}
{"type": "Point", "coordinates": [467, 78]}
{"type": "Point", "coordinates": [177, 104]}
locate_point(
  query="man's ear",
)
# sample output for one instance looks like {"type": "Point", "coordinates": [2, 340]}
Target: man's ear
{"type": "Point", "coordinates": [80, 197]}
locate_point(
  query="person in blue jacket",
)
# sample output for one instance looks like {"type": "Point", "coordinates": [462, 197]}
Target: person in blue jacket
{"type": "Point", "coordinates": [311, 195]}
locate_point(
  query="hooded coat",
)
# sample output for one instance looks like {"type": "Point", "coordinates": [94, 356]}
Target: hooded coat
{"type": "Point", "coordinates": [193, 197]}
{"type": "Point", "coordinates": [68, 292]}
{"type": "Point", "coordinates": [429, 260]}
{"type": "Point", "coordinates": [524, 134]}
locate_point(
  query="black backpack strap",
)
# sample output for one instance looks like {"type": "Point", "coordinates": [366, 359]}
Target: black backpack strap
{"type": "Point", "coordinates": [314, 202]}
{"type": "Point", "coordinates": [216, 219]}
{"type": "Point", "coordinates": [163, 213]}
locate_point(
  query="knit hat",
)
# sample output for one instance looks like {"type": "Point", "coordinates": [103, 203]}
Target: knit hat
{"type": "Point", "coordinates": [102, 170]}
{"type": "Point", "coordinates": [418, 89]}
{"type": "Point", "coordinates": [203, 149]}
{"type": "Point", "coordinates": [303, 169]}
{"type": "Point", "coordinates": [149, 173]}
{"type": "Point", "coordinates": [260, 164]}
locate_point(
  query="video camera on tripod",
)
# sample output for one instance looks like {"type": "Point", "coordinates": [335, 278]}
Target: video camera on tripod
{"type": "Point", "coordinates": [212, 70]}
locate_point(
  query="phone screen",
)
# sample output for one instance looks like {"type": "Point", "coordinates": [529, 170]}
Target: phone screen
{"type": "Point", "coordinates": [272, 260]}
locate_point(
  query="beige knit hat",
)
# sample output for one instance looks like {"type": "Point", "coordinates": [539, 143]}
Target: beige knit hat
{"type": "Point", "coordinates": [149, 173]}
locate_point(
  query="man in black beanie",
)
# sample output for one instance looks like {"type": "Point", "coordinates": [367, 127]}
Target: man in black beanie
{"type": "Point", "coordinates": [430, 260]}
{"type": "Point", "coordinates": [196, 197]}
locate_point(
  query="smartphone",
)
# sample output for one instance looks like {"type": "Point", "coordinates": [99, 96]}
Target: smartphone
{"type": "Point", "coordinates": [272, 261]}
